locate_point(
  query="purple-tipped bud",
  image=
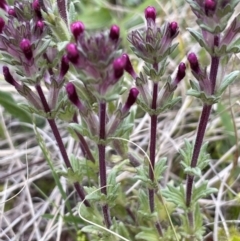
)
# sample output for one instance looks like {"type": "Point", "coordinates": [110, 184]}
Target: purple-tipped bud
{"type": "Point", "coordinates": [129, 67]}
{"type": "Point", "coordinates": [12, 12]}
{"type": "Point", "coordinates": [72, 53]}
{"type": "Point", "coordinates": [150, 13]}
{"type": "Point", "coordinates": [114, 33]}
{"type": "Point", "coordinates": [77, 28]}
{"type": "Point", "coordinates": [119, 66]}
{"type": "Point", "coordinates": [72, 95]}
{"type": "Point", "coordinates": [173, 27]}
{"type": "Point", "coordinates": [3, 5]}
{"type": "Point", "coordinates": [26, 47]}
{"type": "Point", "coordinates": [132, 97]}
{"type": "Point", "coordinates": [2, 24]}
{"type": "Point", "coordinates": [193, 61]}
{"type": "Point", "coordinates": [36, 5]}
{"type": "Point", "coordinates": [8, 77]}
{"type": "Point", "coordinates": [181, 72]}
{"type": "Point", "coordinates": [37, 9]}
{"type": "Point", "coordinates": [40, 26]}
{"type": "Point", "coordinates": [64, 66]}
{"type": "Point", "coordinates": [210, 6]}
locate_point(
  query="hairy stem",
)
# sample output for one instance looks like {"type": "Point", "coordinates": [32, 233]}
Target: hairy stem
{"type": "Point", "coordinates": [152, 147]}
{"type": "Point", "coordinates": [200, 135]}
{"type": "Point", "coordinates": [102, 162]}
{"type": "Point", "coordinates": [152, 152]}
{"type": "Point", "coordinates": [59, 141]}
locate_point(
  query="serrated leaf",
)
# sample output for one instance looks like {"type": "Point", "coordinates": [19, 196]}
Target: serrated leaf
{"type": "Point", "coordinates": [93, 193]}
{"type": "Point", "coordinates": [175, 195]}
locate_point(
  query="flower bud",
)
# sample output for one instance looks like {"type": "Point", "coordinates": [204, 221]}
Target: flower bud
{"type": "Point", "coordinates": [72, 53]}
{"type": "Point", "coordinates": [64, 66]}
{"type": "Point", "coordinates": [8, 77]}
{"type": "Point", "coordinates": [73, 96]}
{"type": "Point", "coordinates": [36, 5]}
{"type": "Point", "coordinates": [37, 9]}
{"type": "Point", "coordinates": [150, 13]}
{"type": "Point", "coordinates": [77, 28]}
{"type": "Point", "coordinates": [2, 24]}
{"type": "Point", "coordinates": [173, 27]}
{"type": "Point", "coordinates": [129, 67]}
{"type": "Point", "coordinates": [25, 46]}
{"type": "Point", "coordinates": [181, 72]}
{"type": "Point", "coordinates": [114, 32]}
{"type": "Point", "coordinates": [193, 61]}
{"type": "Point", "coordinates": [119, 66]}
{"type": "Point", "coordinates": [210, 6]}
{"type": "Point", "coordinates": [3, 5]}
{"type": "Point", "coordinates": [12, 12]}
{"type": "Point", "coordinates": [40, 26]}
{"type": "Point", "coordinates": [132, 97]}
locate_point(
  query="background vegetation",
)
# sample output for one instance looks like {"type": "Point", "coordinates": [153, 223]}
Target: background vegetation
{"type": "Point", "coordinates": [31, 204]}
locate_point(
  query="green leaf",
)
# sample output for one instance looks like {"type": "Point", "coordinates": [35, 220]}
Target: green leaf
{"type": "Point", "coordinates": [147, 234]}
{"type": "Point", "coordinates": [229, 79]}
{"type": "Point", "coordinates": [202, 191]}
{"type": "Point", "coordinates": [198, 37]}
{"type": "Point", "coordinates": [92, 193]}
{"type": "Point", "coordinates": [71, 13]}
{"type": "Point", "coordinates": [175, 195]}
{"type": "Point", "coordinates": [160, 167]}
{"type": "Point", "coordinates": [13, 108]}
